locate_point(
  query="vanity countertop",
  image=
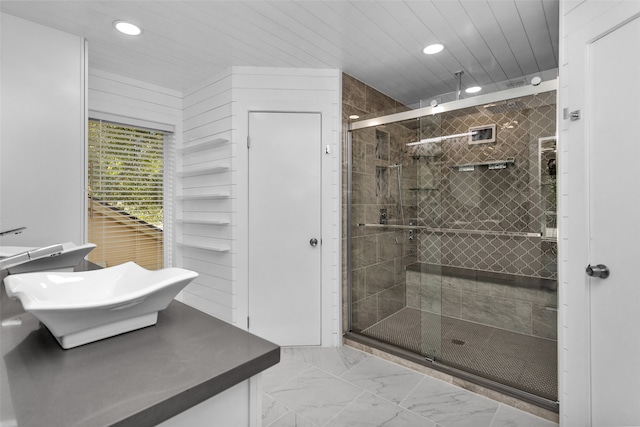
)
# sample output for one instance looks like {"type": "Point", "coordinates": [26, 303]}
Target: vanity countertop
{"type": "Point", "coordinates": [135, 379]}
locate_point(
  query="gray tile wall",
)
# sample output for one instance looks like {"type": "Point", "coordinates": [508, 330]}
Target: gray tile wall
{"type": "Point", "coordinates": [517, 309]}
{"type": "Point", "coordinates": [503, 200]}
{"type": "Point", "coordinates": [378, 261]}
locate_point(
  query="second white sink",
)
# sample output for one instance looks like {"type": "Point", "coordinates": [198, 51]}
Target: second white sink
{"type": "Point", "coordinates": [61, 257]}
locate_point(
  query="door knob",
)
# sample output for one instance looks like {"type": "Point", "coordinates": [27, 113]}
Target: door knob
{"type": "Point", "coordinates": [599, 270]}
{"type": "Point", "coordinates": [313, 242]}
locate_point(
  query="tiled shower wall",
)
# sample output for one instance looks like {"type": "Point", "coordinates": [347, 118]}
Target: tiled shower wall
{"type": "Point", "coordinates": [504, 201]}
{"type": "Point", "coordinates": [378, 260]}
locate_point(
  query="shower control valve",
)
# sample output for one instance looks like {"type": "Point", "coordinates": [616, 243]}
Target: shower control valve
{"type": "Point", "coordinates": [383, 216]}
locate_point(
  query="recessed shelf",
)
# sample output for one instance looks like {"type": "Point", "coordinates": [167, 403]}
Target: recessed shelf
{"type": "Point", "coordinates": [205, 170]}
{"type": "Point", "coordinates": [490, 164]}
{"type": "Point", "coordinates": [203, 145]}
{"type": "Point", "coordinates": [214, 248]}
{"type": "Point", "coordinates": [223, 221]}
{"type": "Point", "coordinates": [204, 196]}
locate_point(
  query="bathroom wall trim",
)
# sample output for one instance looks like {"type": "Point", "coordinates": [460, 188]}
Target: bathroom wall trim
{"type": "Point", "coordinates": [131, 121]}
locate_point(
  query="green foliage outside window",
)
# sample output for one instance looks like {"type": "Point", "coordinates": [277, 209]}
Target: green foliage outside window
{"type": "Point", "coordinates": [126, 170]}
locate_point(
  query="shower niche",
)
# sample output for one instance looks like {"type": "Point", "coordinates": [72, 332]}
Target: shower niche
{"type": "Point", "coordinates": [548, 168]}
{"type": "Point", "coordinates": [461, 274]}
{"type": "Point", "coordinates": [382, 145]}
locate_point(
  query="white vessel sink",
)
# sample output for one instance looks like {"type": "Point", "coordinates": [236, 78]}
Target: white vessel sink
{"type": "Point", "coordinates": [60, 257]}
{"type": "Point", "coordinates": [82, 307]}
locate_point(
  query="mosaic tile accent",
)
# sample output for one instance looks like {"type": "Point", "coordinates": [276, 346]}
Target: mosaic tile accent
{"type": "Point", "coordinates": [508, 200]}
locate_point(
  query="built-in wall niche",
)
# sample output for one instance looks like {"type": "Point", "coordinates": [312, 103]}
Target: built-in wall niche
{"type": "Point", "coordinates": [547, 171]}
{"type": "Point", "coordinates": [382, 181]}
{"type": "Point", "coordinates": [382, 145]}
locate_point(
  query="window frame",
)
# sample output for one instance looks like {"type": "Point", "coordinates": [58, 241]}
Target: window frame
{"type": "Point", "coordinates": [169, 159]}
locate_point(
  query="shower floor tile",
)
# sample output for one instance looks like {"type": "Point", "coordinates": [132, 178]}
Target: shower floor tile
{"type": "Point", "coordinates": [521, 361]}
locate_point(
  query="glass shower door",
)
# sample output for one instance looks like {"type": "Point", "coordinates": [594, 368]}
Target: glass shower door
{"type": "Point", "coordinates": [390, 301]}
{"type": "Point", "coordinates": [449, 258]}
{"type": "Point", "coordinates": [378, 249]}
{"type": "Point", "coordinates": [426, 153]}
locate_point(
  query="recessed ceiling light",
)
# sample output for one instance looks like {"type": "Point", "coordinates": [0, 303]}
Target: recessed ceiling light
{"type": "Point", "coordinates": [473, 89]}
{"type": "Point", "coordinates": [354, 116]}
{"type": "Point", "coordinates": [433, 48]}
{"type": "Point", "coordinates": [127, 28]}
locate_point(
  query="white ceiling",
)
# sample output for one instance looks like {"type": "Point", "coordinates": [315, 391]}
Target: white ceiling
{"type": "Point", "coordinates": [495, 42]}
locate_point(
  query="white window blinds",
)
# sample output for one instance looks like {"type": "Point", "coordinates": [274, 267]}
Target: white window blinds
{"type": "Point", "coordinates": [126, 194]}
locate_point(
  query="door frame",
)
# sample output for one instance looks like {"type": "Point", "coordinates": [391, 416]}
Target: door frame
{"type": "Point", "coordinates": [587, 21]}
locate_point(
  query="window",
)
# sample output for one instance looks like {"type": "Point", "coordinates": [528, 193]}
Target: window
{"type": "Point", "coordinates": [126, 194]}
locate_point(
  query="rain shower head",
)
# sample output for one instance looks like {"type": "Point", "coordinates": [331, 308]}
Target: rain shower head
{"type": "Point", "coordinates": [504, 107]}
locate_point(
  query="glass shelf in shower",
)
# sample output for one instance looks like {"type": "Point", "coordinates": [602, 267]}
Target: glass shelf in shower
{"type": "Point", "coordinates": [424, 189]}
{"type": "Point", "coordinates": [491, 164]}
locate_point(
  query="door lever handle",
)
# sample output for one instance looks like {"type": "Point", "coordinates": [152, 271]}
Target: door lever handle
{"type": "Point", "coordinates": [601, 271]}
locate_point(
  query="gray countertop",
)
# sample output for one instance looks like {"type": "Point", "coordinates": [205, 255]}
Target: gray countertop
{"type": "Point", "coordinates": [135, 379]}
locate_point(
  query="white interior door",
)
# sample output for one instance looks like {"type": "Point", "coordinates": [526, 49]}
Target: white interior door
{"type": "Point", "coordinates": [284, 227]}
{"type": "Point", "coordinates": [614, 190]}
{"type": "Point", "coordinates": [604, 63]}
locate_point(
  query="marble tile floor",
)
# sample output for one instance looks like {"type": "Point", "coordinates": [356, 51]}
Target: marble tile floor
{"type": "Point", "coordinates": [313, 386]}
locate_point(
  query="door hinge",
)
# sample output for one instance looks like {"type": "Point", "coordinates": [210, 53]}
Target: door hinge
{"type": "Point", "coordinates": [247, 322]}
{"type": "Point", "coordinates": [248, 142]}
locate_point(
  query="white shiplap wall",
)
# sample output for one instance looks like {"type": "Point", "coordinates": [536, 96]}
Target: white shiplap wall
{"type": "Point", "coordinates": [219, 109]}
{"type": "Point", "coordinates": [207, 201]}
{"type": "Point", "coordinates": [130, 99]}
{"type": "Point", "coordinates": [299, 90]}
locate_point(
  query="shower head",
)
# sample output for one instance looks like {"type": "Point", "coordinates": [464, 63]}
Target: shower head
{"type": "Point", "coordinates": [505, 107]}
{"type": "Point", "coordinates": [397, 165]}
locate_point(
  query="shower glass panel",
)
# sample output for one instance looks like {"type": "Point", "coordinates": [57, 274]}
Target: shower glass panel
{"type": "Point", "coordinates": [392, 302]}
{"type": "Point", "coordinates": [453, 240]}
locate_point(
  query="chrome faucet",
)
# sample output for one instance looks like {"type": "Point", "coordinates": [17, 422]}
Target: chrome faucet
{"type": "Point", "coordinates": [13, 231]}
{"type": "Point", "coordinates": [31, 255]}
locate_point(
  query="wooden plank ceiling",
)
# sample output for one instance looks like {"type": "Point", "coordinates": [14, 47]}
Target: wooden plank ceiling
{"type": "Point", "coordinates": [495, 42]}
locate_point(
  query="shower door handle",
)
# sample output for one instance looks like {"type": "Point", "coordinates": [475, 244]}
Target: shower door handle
{"type": "Point", "coordinates": [599, 270]}
{"type": "Point", "coordinates": [313, 242]}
